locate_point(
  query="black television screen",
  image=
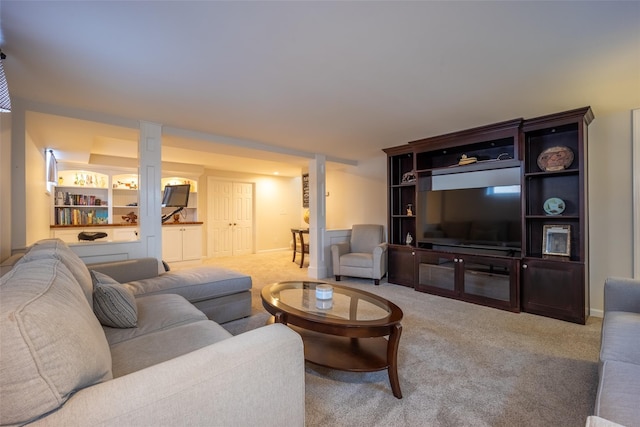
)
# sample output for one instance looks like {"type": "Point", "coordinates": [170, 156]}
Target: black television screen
{"type": "Point", "coordinates": [176, 196]}
{"type": "Point", "coordinates": [476, 217]}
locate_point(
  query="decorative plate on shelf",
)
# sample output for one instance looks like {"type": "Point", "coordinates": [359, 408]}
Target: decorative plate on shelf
{"type": "Point", "coordinates": [555, 159]}
{"type": "Point", "coordinates": [554, 206]}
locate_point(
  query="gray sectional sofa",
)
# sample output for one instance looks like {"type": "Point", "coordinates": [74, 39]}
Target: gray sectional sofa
{"type": "Point", "coordinates": [618, 398]}
{"type": "Point", "coordinates": [79, 347]}
{"type": "Point", "coordinates": [222, 294]}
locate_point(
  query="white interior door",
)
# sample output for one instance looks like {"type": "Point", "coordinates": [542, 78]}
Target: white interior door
{"type": "Point", "coordinates": [230, 218]}
{"type": "Point", "coordinates": [242, 218]}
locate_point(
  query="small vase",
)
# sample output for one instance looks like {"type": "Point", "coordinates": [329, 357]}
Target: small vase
{"type": "Point", "coordinates": [409, 239]}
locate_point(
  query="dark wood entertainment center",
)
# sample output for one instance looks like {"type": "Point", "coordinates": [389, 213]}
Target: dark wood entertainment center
{"type": "Point", "coordinates": [500, 262]}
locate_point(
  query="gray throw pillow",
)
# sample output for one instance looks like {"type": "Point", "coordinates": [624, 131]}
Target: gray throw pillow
{"type": "Point", "coordinates": [113, 304]}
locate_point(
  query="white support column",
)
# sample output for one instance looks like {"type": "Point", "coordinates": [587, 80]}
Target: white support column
{"type": "Point", "coordinates": [18, 178]}
{"type": "Point", "coordinates": [318, 220]}
{"type": "Point", "coordinates": [150, 211]}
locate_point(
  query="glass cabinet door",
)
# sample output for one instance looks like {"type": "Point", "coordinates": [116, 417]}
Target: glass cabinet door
{"type": "Point", "coordinates": [437, 273]}
{"type": "Point", "coordinates": [492, 281]}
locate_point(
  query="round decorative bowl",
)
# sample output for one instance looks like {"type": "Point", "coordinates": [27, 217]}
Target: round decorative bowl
{"type": "Point", "coordinates": [554, 206]}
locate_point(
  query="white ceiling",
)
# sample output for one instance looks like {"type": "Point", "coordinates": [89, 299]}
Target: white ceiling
{"type": "Point", "coordinates": [343, 79]}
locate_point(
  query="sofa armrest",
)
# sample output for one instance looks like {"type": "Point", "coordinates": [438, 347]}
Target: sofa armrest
{"type": "Point", "coordinates": [337, 250]}
{"type": "Point", "coordinates": [130, 270]}
{"type": "Point", "coordinates": [380, 260]}
{"type": "Point", "coordinates": [255, 378]}
{"type": "Point", "coordinates": [621, 294]}
{"type": "Point", "coordinates": [594, 421]}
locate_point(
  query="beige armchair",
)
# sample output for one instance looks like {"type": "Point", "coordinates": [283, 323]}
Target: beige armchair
{"type": "Point", "coordinates": [365, 255]}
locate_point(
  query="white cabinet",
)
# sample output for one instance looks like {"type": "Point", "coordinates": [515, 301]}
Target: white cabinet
{"type": "Point", "coordinates": [68, 235]}
{"type": "Point", "coordinates": [115, 234]}
{"type": "Point", "coordinates": [121, 234]}
{"type": "Point", "coordinates": [181, 242]}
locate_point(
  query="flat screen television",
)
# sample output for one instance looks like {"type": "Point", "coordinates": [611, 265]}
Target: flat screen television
{"type": "Point", "coordinates": [484, 220]}
{"type": "Point", "coordinates": [176, 196]}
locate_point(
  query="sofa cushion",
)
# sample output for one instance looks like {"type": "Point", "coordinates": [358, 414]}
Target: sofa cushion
{"type": "Point", "coordinates": [113, 303]}
{"type": "Point", "coordinates": [52, 344]}
{"type": "Point", "coordinates": [152, 348]}
{"type": "Point", "coordinates": [620, 340]}
{"type": "Point", "coordinates": [618, 391]}
{"type": "Point", "coordinates": [227, 308]}
{"type": "Point", "coordinates": [129, 269]}
{"type": "Point", "coordinates": [156, 313]}
{"type": "Point", "coordinates": [56, 248]}
{"type": "Point", "coordinates": [194, 284]}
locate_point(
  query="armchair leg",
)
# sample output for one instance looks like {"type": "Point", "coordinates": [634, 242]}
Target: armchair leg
{"type": "Point", "coordinates": [376, 282]}
{"type": "Point", "coordinates": [337, 278]}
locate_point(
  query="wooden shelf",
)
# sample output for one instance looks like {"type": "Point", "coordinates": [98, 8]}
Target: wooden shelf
{"type": "Point", "coordinates": [478, 166]}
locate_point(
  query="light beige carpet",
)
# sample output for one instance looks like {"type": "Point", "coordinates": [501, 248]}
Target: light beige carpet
{"type": "Point", "coordinates": [460, 364]}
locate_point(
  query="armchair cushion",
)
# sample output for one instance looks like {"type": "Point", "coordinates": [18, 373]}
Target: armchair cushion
{"type": "Point", "coordinates": [365, 237]}
{"type": "Point", "coordinates": [357, 260]}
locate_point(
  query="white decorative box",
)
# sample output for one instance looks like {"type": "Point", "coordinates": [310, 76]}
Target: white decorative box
{"type": "Point", "coordinates": [324, 292]}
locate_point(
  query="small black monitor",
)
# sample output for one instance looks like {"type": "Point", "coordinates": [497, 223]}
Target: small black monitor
{"type": "Point", "coordinates": [176, 196]}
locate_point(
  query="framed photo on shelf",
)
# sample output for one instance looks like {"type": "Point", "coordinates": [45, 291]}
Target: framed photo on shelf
{"type": "Point", "coordinates": [556, 240]}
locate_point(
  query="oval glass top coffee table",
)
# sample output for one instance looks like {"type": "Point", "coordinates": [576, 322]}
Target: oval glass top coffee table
{"type": "Point", "coordinates": [352, 331]}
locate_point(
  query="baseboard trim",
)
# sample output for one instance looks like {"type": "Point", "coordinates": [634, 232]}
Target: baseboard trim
{"type": "Point", "coordinates": [596, 313]}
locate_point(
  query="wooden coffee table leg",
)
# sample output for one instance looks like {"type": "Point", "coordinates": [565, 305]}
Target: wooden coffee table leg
{"type": "Point", "coordinates": [279, 317]}
{"type": "Point", "coordinates": [392, 358]}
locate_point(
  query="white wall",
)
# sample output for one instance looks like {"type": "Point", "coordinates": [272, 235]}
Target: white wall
{"type": "Point", "coordinates": [277, 210]}
{"type": "Point", "coordinates": [358, 195]}
{"type": "Point", "coordinates": [610, 202]}
{"type": "Point", "coordinates": [38, 200]}
{"type": "Point", "coordinates": [5, 185]}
